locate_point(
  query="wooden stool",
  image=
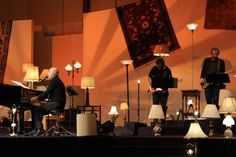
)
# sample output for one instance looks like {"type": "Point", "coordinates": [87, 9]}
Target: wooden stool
{"type": "Point", "coordinates": [57, 129]}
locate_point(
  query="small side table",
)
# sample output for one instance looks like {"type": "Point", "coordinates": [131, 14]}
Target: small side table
{"type": "Point", "coordinates": [91, 109]}
{"type": "Point", "coordinates": [195, 95]}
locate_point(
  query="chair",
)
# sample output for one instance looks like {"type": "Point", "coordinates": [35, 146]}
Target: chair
{"type": "Point", "coordinates": [107, 129]}
{"type": "Point", "coordinates": [57, 129]}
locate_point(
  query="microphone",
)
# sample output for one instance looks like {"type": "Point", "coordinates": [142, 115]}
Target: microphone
{"type": "Point", "coordinates": [43, 79]}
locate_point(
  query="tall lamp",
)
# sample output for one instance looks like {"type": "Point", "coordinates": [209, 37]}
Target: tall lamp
{"type": "Point", "coordinates": [192, 27]}
{"type": "Point", "coordinates": [71, 69]}
{"type": "Point", "coordinates": [211, 112]}
{"type": "Point", "coordinates": [127, 63]}
{"type": "Point", "coordinates": [228, 106]}
{"type": "Point", "coordinates": [157, 114]}
{"type": "Point", "coordinates": [87, 82]}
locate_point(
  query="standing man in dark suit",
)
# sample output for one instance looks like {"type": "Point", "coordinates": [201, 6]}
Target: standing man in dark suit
{"type": "Point", "coordinates": [212, 65]}
{"type": "Point", "coordinates": [159, 78]}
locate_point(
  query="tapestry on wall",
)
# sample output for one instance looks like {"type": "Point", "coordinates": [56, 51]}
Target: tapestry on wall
{"type": "Point", "coordinates": [145, 24]}
{"type": "Point", "coordinates": [5, 32]}
{"type": "Point", "coordinates": [220, 14]}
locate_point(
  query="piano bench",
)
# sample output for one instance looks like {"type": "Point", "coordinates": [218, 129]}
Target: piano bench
{"type": "Point", "coordinates": [52, 117]}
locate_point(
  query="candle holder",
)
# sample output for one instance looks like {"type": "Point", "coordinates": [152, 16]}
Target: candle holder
{"type": "Point", "coordinates": [13, 124]}
{"type": "Point", "coordinates": [138, 109]}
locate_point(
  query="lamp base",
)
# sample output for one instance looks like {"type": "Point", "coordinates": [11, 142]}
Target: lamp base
{"type": "Point", "coordinates": [124, 119]}
{"type": "Point", "coordinates": [113, 119]}
{"type": "Point", "coordinates": [157, 128]}
{"type": "Point", "coordinates": [211, 129]}
{"type": "Point", "coordinates": [228, 133]}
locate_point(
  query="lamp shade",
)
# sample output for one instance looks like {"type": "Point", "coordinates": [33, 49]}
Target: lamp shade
{"type": "Point", "coordinates": [191, 26]}
{"type": "Point", "coordinates": [86, 124]}
{"type": "Point", "coordinates": [195, 131]}
{"type": "Point", "coordinates": [77, 65]}
{"type": "Point", "coordinates": [224, 93]}
{"type": "Point", "coordinates": [68, 67]}
{"type": "Point", "coordinates": [87, 82]}
{"type": "Point", "coordinates": [113, 111]}
{"type": "Point", "coordinates": [161, 50]}
{"type": "Point", "coordinates": [190, 102]}
{"type": "Point", "coordinates": [228, 121]}
{"type": "Point", "coordinates": [43, 74]}
{"type": "Point", "coordinates": [126, 62]}
{"type": "Point", "coordinates": [124, 106]}
{"type": "Point", "coordinates": [32, 74]}
{"type": "Point", "coordinates": [228, 105]}
{"type": "Point", "coordinates": [156, 112]}
{"type": "Point", "coordinates": [210, 111]}
{"type": "Point", "coordinates": [26, 66]}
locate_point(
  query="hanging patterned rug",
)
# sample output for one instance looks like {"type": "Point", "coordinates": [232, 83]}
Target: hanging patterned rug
{"type": "Point", "coordinates": [5, 32]}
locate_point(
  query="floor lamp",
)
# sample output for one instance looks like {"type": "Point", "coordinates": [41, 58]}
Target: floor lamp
{"type": "Point", "coordinates": [192, 27]}
{"type": "Point", "coordinates": [71, 69]}
{"type": "Point", "coordinates": [87, 82]}
{"type": "Point", "coordinates": [127, 63]}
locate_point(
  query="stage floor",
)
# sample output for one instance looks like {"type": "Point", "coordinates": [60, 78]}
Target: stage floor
{"type": "Point", "coordinates": [115, 146]}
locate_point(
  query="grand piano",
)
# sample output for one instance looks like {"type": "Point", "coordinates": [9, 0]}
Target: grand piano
{"type": "Point", "coordinates": [11, 94]}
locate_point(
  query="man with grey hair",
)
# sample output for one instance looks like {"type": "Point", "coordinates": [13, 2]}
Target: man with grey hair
{"type": "Point", "coordinates": [56, 99]}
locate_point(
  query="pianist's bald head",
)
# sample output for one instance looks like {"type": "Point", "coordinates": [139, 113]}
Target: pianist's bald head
{"type": "Point", "coordinates": [53, 71]}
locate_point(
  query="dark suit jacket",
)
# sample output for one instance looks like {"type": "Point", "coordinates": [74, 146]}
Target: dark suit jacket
{"type": "Point", "coordinates": [55, 92]}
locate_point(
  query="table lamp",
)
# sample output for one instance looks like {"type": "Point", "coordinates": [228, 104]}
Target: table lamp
{"type": "Point", "coordinates": [211, 112]}
{"type": "Point", "coordinates": [87, 82]}
{"type": "Point", "coordinates": [157, 114]}
{"type": "Point", "coordinates": [228, 106]}
{"type": "Point", "coordinates": [124, 107]}
{"type": "Point", "coordinates": [228, 122]}
{"type": "Point", "coordinates": [32, 75]}
{"type": "Point", "coordinates": [195, 131]}
{"type": "Point", "coordinates": [114, 114]}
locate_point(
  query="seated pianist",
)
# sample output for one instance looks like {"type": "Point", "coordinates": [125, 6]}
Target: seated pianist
{"type": "Point", "coordinates": [21, 96]}
{"type": "Point", "coordinates": [56, 95]}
